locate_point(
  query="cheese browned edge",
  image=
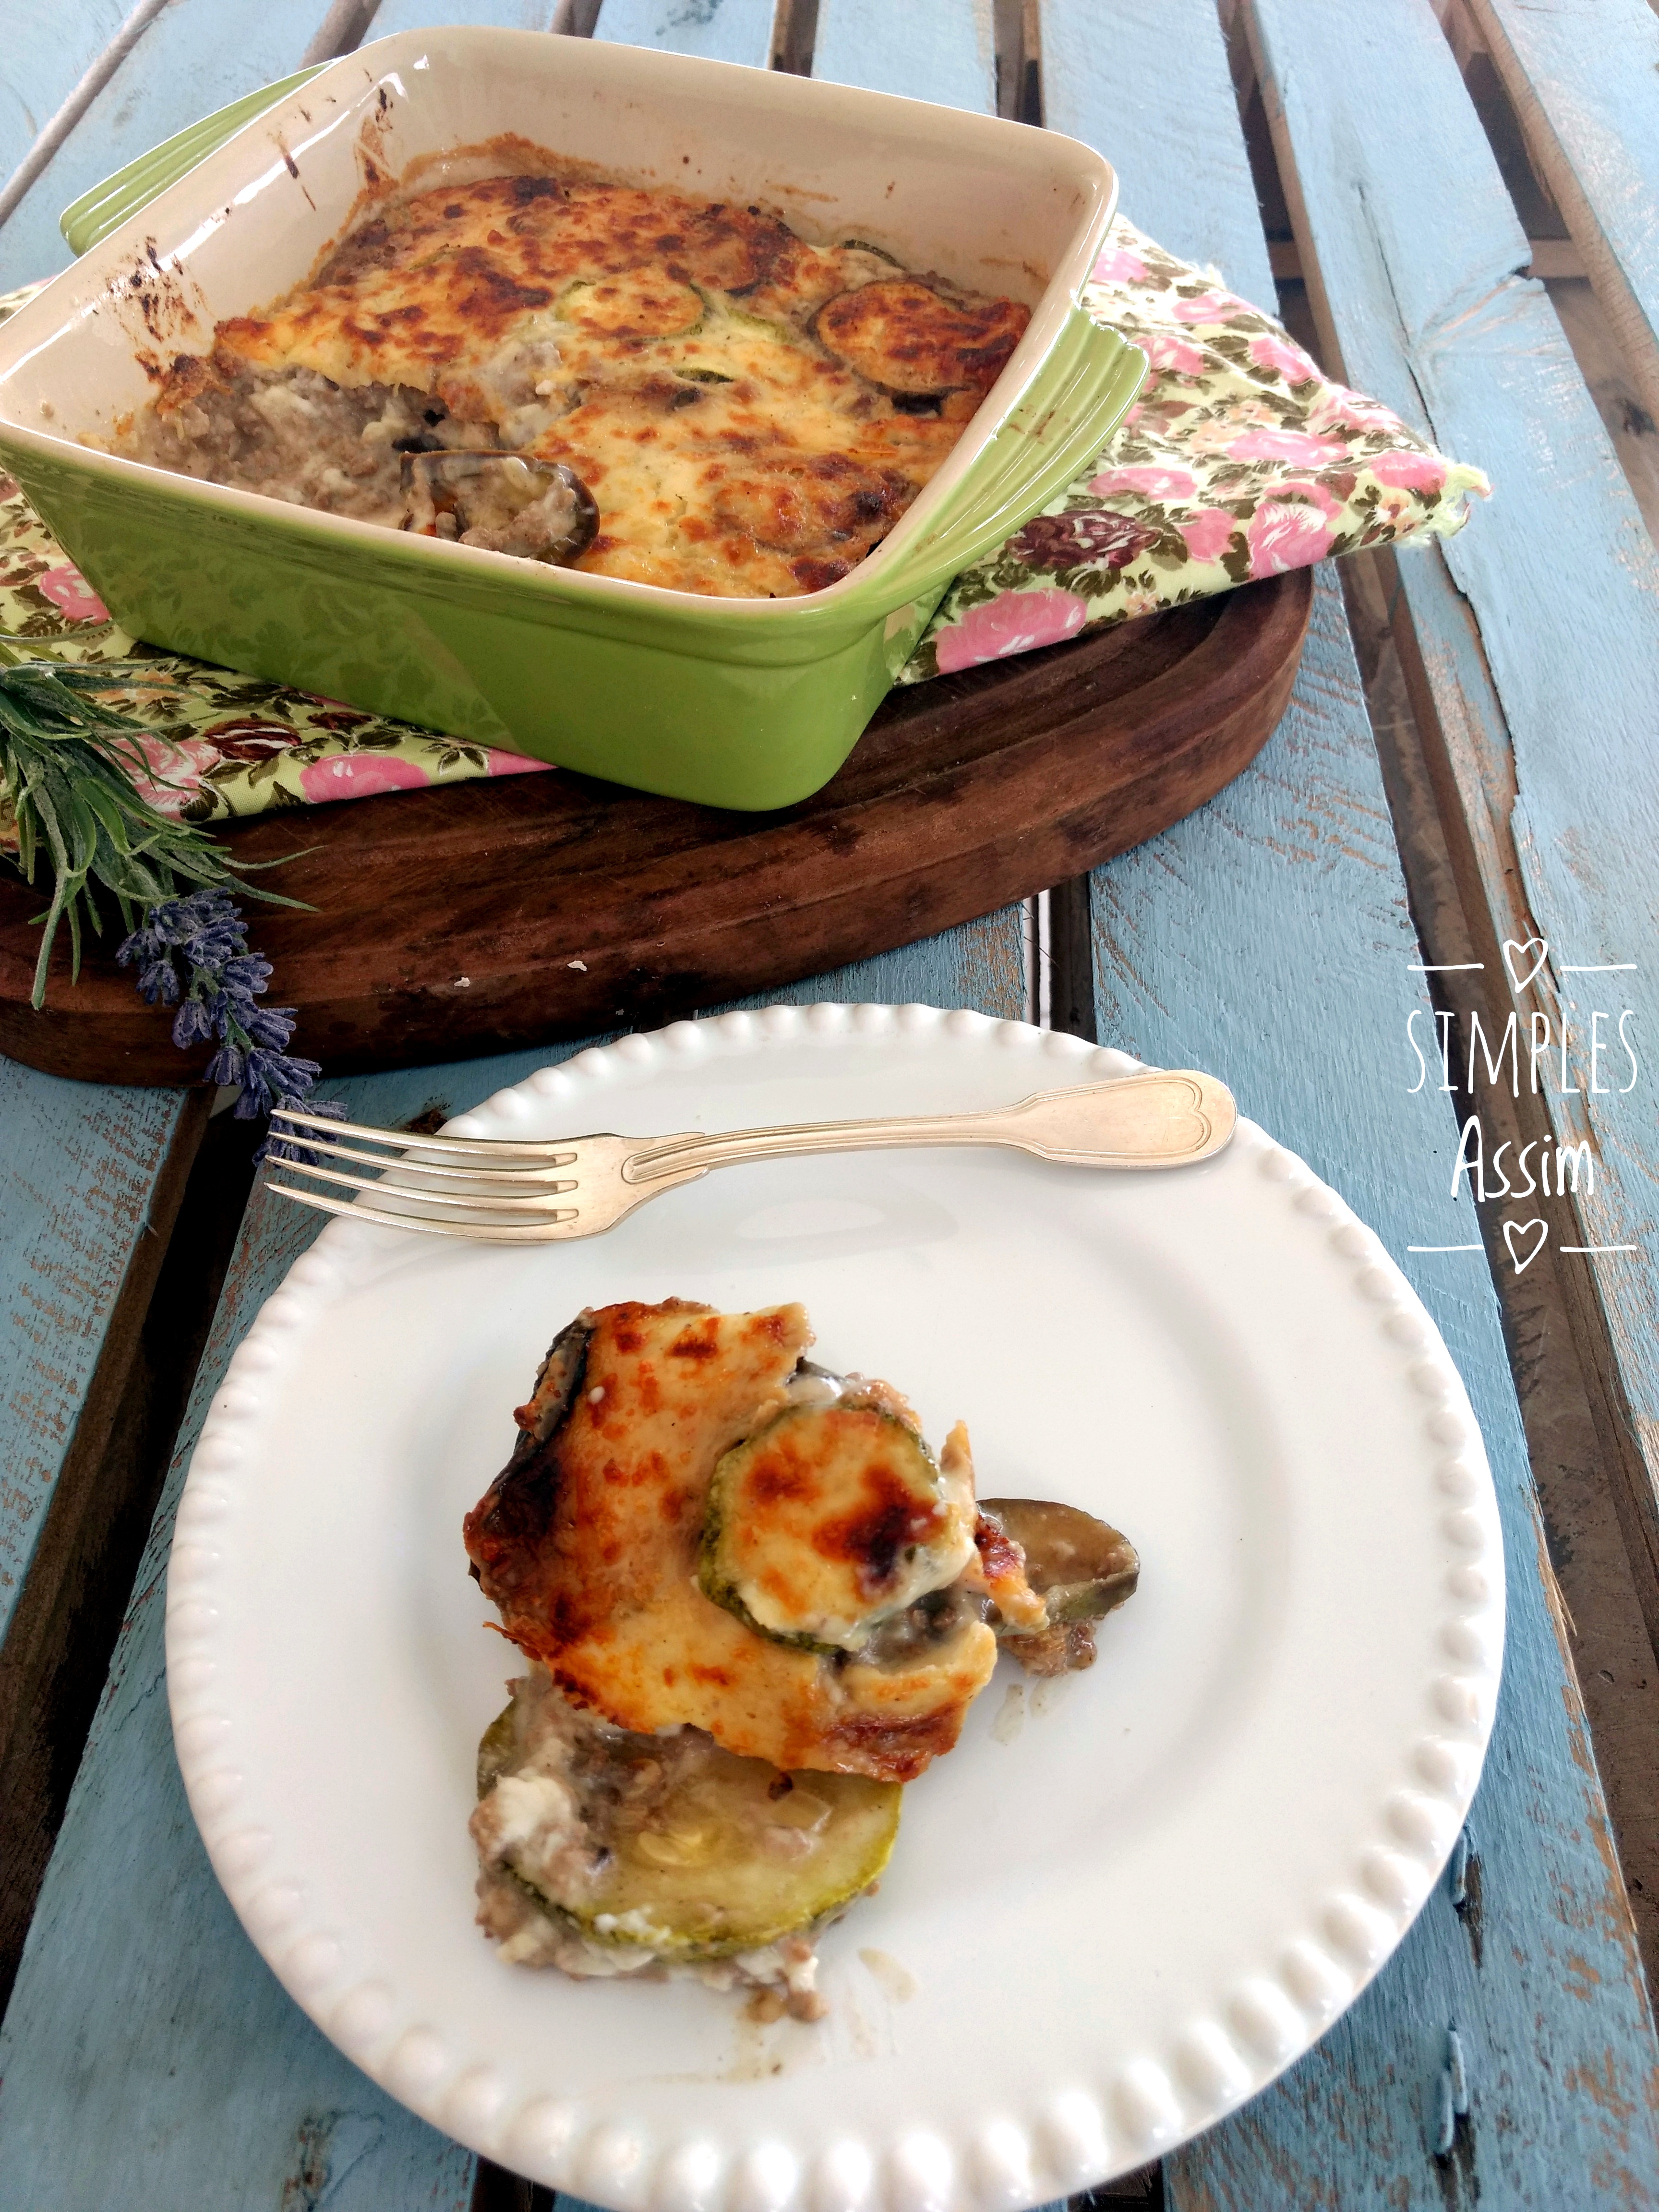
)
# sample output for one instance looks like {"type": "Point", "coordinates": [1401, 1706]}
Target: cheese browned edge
{"type": "Point", "coordinates": [587, 1541]}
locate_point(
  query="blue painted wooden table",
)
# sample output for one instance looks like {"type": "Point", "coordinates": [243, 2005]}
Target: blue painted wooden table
{"type": "Point", "coordinates": [1507, 2054]}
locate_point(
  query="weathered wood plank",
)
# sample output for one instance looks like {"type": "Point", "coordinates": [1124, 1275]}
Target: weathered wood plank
{"type": "Point", "coordinates": [1268, 936]}
{"type": "Point", "coordinates": [1299, 905]}
{"type": "Point", "coordinates": [1107, 89]}
{"type": "Point", "coordinates": [427, 14]}
{"type": "Point", "coordinates": [197, 55]}
{"type": "Point", "coordinates": [200, 2083]}
{"type": "Point", "coordinates": [1634, 430]}
{"type": "Point", "coordinates": [78, 1168]}
{"type": "Point", "coordinates": [91, 1180]}
{"type": "Point", "coordinates": [939, 50]}
{"type": "Point", "coordinates": [148, 2056]}
{"type": "Point", "coordinates": [49, 47]}
{"type": "Point", "coordinates": [1535, 638]}
{"type": "Point", "coordinates": [719, 30]}
{"type": "Point", "coordinates": [1583, 78]}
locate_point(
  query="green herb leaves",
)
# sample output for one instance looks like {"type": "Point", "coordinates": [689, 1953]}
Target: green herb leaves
{"type": "Point", "coordinates": [67, 771]}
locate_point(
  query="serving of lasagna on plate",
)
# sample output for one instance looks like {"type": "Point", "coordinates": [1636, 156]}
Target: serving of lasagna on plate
{"type": "Point", "coordinates": [627, 380]}
{"type": "Point", "coordinates": [755, 1605]}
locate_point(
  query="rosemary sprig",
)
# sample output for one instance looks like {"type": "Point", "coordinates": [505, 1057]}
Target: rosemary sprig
{"type": "Point", "coordinates": [67, 765]}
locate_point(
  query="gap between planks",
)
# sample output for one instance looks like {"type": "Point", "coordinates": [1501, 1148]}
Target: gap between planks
{"type": "Point", "coordinates": [1597, 1558]}
{"type": "Point", "coordinates": [74, 1595]}
{"type": "Point", "coordinates": [1558, 126]}
{"type": "Point", "coordinates": [1552, 258]}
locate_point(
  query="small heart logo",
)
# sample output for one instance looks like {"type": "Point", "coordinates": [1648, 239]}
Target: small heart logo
{"type": "Point", "coordinates": [1516, 1234]}
{"type": "Point", "coordinates": [1513, 950]}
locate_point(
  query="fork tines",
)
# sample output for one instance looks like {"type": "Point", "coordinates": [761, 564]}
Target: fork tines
{"type": "Point", "coordinates": [494, 1150]}
{"type": "Point", "coordinates": [449, 1186]}
{"type": "Point", "coordinates": [528, 1232]}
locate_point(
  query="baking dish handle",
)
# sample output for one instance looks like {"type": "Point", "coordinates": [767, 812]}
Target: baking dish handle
{"type": "Point", "coordinates": [108, 205]}
{"type": "Point", "coordinates": [1053, 431]}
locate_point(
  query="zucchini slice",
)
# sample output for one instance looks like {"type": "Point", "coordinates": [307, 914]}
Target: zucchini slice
{"type": "Point", "coordinates": [828, 1521]}
{"type": "Point", "coordinates": [668, 1845]}
{"type": "Point", "coordinates": [640, 303]}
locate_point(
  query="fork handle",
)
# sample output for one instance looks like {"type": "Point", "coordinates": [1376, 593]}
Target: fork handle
{"type": "Point", "coordinates": [1162, 1119]}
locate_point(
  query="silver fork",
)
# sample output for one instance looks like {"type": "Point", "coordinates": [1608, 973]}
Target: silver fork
{"type": "Point", "coordinates": [501, 1193]}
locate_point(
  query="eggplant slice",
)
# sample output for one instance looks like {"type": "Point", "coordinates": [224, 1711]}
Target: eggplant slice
{"type": "Point", "coordinates": [908, 338]}
{"type": "Point", "coordinates": [1082, 1568]}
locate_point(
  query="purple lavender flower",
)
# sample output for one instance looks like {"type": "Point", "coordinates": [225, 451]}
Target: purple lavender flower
{"type": "Point", "coordinates": [270, 1075]}
{"type": "Point", "coordinates": [191, 1024]}
{"type": "Point", "coordinates": [159, 980]}
{"type": "Point", "coordinates": [246, 974]}
{"type": "Point", "coordinates": [193, 953]}
{"type": "Point", "coordinates": [290, 1145]}
{"type": "Point", "coordinates": [272, 1026]}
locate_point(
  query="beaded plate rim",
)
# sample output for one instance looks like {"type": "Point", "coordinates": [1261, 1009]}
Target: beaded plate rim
{"type": "Point", "coordinates": [1144, 2105]}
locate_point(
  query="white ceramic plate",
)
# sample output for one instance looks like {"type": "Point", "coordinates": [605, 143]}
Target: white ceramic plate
{"type": "Point", "coordinates": [1130, 1898]}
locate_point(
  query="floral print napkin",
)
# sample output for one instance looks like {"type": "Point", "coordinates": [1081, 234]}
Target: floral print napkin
{"type": "Point", "coordinates": [1239, 459]}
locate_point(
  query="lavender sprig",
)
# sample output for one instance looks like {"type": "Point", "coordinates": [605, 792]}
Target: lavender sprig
{"type": "Point", "coordinates": [193, 953]}
{"type": "Point", "coordinates": [69, 782]}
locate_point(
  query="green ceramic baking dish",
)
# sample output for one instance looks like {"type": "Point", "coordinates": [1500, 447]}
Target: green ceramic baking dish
{"type": "Point", "coordinates": [736, 702]}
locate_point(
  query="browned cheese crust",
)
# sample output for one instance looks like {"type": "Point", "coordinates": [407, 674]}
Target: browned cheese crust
{"type": "Point", "coordinates": [588, 1544]}
{"type": "Point", "coordinates": [907, 337]}
{"type": "Point", "coordinates": [750, 413]}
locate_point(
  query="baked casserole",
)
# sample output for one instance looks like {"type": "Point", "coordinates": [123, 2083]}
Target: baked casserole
{"type": "Point", "coordinates": [626, 379]}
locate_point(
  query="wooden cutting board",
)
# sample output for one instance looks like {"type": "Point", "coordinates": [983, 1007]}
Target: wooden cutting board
{"type": "Point", "coordinates": [488, 915]}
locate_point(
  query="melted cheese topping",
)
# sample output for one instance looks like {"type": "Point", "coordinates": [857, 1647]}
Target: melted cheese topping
{"type": "Point", "coordinates": [589, 1542]}
{"type": "Point", "coordinates": [744, 427]}
{"type": "Point", "coordinates": [832, 1519]}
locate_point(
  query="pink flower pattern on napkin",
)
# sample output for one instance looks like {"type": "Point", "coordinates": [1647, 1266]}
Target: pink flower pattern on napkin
{"type": "Point", "coordinates": [1409, 471]}
{"type": "Point", "coordinates": [70, 592]}
{"type": "Point", "coordinates": [1286, 533]}
{"type": "Point", "coordinates": [1117, 265]}
{"type": "Point", "coordinates": [1173, 355]}
{"type": "Point", "coordinates": [1238, 460]}
{"type": "Point", "coordinates": [1206, 532]}
{"type": "Point", "coordinates": [1286, 445]}
{"type": "Point", "coordinates": [1272, 352]}
{"type": "Point", "coordinates": [356, 775]}
{"type": "Point", "coordinates": [1015, 622]}
{"type": "Point", "coordinates": [176, 768]}
{"type": "Point", "coordinates": [1210, 307]}
{"type": "Point", "coordinates": [1156, 483]}
{"type": "Point", "coordinates": [503, 763]}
